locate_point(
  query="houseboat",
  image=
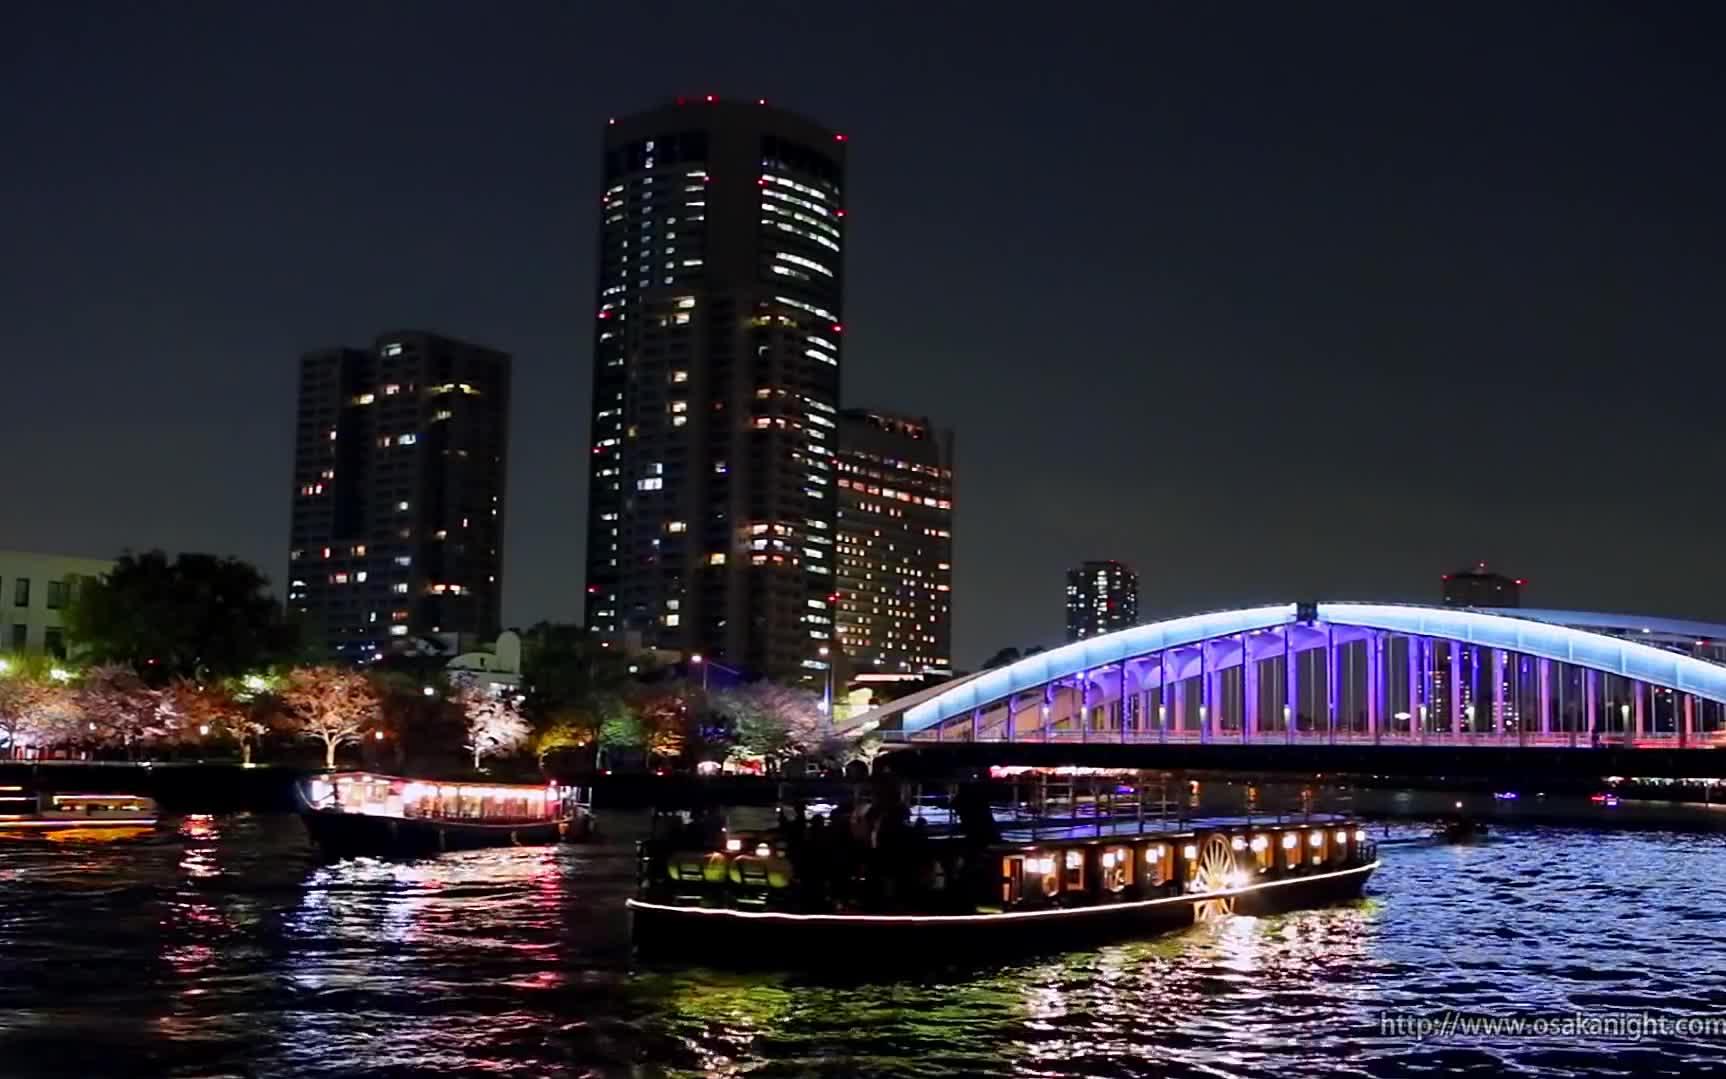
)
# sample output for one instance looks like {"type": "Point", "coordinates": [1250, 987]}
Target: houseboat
{"type": "Point", "coordinates": [74, 817]}
{"type": "Point", "coordinates": [812, 896]}
{"type": "Point", "coordinates": [357, 813]}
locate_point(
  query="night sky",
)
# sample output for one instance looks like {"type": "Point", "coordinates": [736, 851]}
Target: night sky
{"type": "Point", "coordinates": [1270, 301]}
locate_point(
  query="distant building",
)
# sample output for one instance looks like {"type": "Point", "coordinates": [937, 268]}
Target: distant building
{"type": "Point", "coordinates": [398, 501]}
{"type": "Point", "coordinates": [1479, 587]}
{"type": "Point", "coordinates": [1101, 598]}
{"type": "Point", "coordinates": [35, 590]}
{"type": "Point", "coordinates": [718, 321]}
{"type": "Point", "coordinates": [497, 669]}
{"type": "Point", "coordinates": [895, 543]}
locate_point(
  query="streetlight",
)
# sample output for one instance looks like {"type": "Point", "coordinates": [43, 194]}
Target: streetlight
{"type": "Point", "coordinates": [429, 691]}
{"type": "Point", "coordinates": [5, 666]}
{"type": "Point", "coordinates": [696, 659]}
{"type": "Point", "coordinates": [827, 697]}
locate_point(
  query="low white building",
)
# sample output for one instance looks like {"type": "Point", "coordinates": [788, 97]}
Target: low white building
{"type": "Point", "coordinates": [35, 590]}
{"type": "Point", "coordinates": [498, 669]}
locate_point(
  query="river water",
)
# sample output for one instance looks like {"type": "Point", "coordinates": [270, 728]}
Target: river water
{"type": "Point", "coordinates": [221, 946]}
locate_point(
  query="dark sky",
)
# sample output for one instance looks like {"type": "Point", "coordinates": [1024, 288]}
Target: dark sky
{"type": "Point", "coordinates": [1272, 301]}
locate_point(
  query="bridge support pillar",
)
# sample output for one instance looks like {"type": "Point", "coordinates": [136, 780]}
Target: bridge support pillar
{"type": "Point", "coordinates": [1249, 692]}
{"type": "Point", "coordinates": [1084, 705]}
{"type": "Point", "coordinates": [1178, 714]}
{"type": "Point", "coordinates": [1545, 695]}
{"type": "Point", "coordinates": [1375, 682]}
{"type": "Point", "coordinates": [1590, 702]}
{"type": "Point", "coordinates": [1416, 706]}
{"type": "Point", "coordinates": [1499, 718]}
{"type": "Point", "coordinates": [1291, 686]}
{"type": "Point", "coordinates": [1210, 697]}
{"type": "Point", "coordinates": [1332, 691]}
{"type": "Point", "coordinates": [1637, 714]}
{"type": "Point", "coordinates": [1012, 716]}
{"type": "Point", "coordinates": [1686, 719]}
{"type": "Point", "coordinates": [1454, 687]}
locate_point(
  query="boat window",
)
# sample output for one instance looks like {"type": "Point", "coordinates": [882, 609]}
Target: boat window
{"type": "Point", "coordinates": [1075, 870]}
{"type": "Point", "coordinates": [1291, 848]}
{"type": "Point", "coordinates": [1158, 864]}
{"type": "Point", "coordinates": [1264, 854]}
{"type": "Point", "coordinates": [1117, 865]}
{"type": "Point", "coordinates": [1012, 879]}
{"type": "Point", "coordinates": [1048, 879]}
{"type": "Point", "coordinates": [1316, 843]}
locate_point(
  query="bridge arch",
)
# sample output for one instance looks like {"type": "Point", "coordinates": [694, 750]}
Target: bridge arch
{"type": "Point", "coordinates": [1339, 672]}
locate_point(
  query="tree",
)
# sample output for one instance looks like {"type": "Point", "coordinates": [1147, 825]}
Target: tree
{"type": "Point", "coordinates": [198, 616]}
{"type": "Point", "coordinates": [27, 693]}
{"type": "Point", "coordinates": [568, 728]}
{"type": "Point", "coordinates": [331, 704]}
{"type": "Point", "coordinates": [216, 709]}
{"type": "Point", "coordinates": [778, 723]}
{"type": "Point", "coordinates": [664, 715]}
{"type": "Point", "coordinates": [119, 708]}
{"type": "Point", "coordinates": [619, 727]}
{"type": "Point", "coordinates": [494, 722]}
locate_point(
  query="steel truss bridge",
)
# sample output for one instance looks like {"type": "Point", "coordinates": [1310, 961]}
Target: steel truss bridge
{"type": "Point", "coordinates": [1324, 674]}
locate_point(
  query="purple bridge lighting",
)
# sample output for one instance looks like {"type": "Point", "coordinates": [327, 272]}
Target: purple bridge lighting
{"type": "Point", "coordinates": [1345, 673]}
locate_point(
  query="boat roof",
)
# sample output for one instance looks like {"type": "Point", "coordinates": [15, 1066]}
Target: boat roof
{"type": "Point", "coordinates": [440, 781]}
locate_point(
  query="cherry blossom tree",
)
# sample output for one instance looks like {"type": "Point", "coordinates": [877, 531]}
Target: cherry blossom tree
{"type": "Point", "coordinates": [494, 721]}
{"type": "Point", "coordinates": [330, 704]}
{"type": "Point", "coordinates": [119, 708]}
{"type": "Point", "coordinates": [25, 695]}
{"type": "Point", "coordinates": [212, 709]}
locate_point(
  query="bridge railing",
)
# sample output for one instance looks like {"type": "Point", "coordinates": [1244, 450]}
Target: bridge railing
{"type": "Point", "coordinates": [1453, 739]}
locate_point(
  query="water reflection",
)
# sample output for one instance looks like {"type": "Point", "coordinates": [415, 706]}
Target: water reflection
{"type": "Point", "coordinates": [220, 945]}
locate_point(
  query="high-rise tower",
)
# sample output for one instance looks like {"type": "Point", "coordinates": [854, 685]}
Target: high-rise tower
{"type": "Point", "coordinates": [717, 344]}
{"type": "Point", "coordinates": [1101, 598]}
{"type": "Point", "coordinates": [895, 543]}
{"type": "Point", "coordinates": [398, 510]}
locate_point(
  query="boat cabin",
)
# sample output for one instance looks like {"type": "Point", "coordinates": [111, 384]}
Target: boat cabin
{"type": "Point", "coordinates": [370, 794]}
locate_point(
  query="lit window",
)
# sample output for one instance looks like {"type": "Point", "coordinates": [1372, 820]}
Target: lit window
{"type": "Point", "coordinates": [677, 526]}
{"type": "Point", "coordinates": [680, 376]}
{"type": "Point", "coordinates": [361, 576]}
{"type": "Point", "coordinates": [407, 440]}
{"type": "Point", "coordinates": [717, 558]}
{"type": "Point", "coordinates": [402, 507]}
{"type": "Point", "coordinates": [391, 390]}
{"type": "Point", "coordinates": [400, 588]}
{"type": "Point", "coordinates": [392, 349]}
{"type": "Point", "coordinates": [651, 483]}
{"type": "Point", "coordinates": [673, 619]}
{"type": "Point", "coordinates": [398, 631]}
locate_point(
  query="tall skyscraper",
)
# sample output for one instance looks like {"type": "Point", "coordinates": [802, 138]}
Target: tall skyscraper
{"type": "Point", "coordinates": [1479, 587]}
{"type": "Point", "coordinates": [895, 480]}
{"type": "Point", "coordinates": [716, 383]}
{"type": "Point", "coordinates": [398, 508]}
{"type": "Point", "coordinates": [1101, 598]}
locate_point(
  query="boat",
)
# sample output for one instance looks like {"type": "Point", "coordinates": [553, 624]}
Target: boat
{"type": "Point", "coordinates": [786, 897]}
{"type": "Point", "coordinates": [1461, 830]}
{"type": "Point", "coordinates": [76, 817]}
{"type": "Point", "coordinates": [359, 813]}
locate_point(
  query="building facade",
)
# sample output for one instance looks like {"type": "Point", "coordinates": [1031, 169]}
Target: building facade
{"type": "Point", "coordinates": [35, 591]}
{"type": "Point", "coordinates": [1101, 598]}
{"type": "Point", "coordinates": [895, 543]}
{"type": "Point", "coordinates": [716, 358]}
{"type": "Point", "coordinates": [398, 502]}
{"type": "Point", "coordinates": [1479, 587]}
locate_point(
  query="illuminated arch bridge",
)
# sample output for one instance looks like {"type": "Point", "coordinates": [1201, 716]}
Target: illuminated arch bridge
{"type": "Point", "coordinates": [1340, 673]}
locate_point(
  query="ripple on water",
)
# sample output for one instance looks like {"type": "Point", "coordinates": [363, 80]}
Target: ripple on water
{"type": "Point", "coordinates": [228, 948]}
